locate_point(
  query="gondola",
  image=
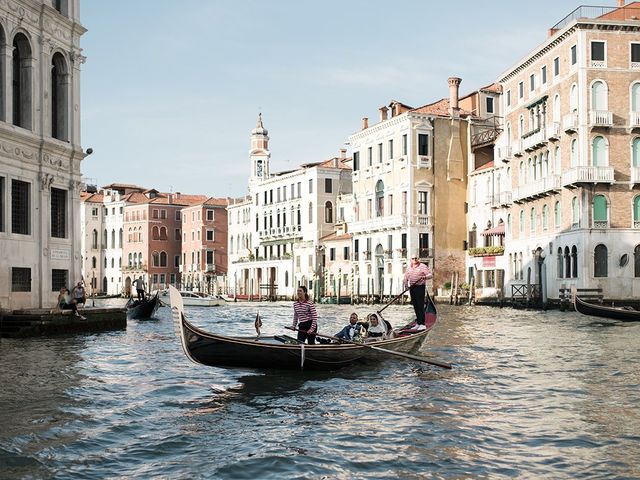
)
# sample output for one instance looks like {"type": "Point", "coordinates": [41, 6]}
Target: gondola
{"type": "Point", "coordinates": [283, 352]}
{"type": "Point", "coordinates": [143, 309]}
{"type": "Point", "coordinates": [617, 313]}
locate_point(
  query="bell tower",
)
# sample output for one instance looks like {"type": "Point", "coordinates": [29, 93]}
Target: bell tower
{"type": "Point", "coordinates": [259, 153]}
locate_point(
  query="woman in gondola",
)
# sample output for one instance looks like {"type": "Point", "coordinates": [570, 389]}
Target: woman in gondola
{"type": "Point", "coordinates": [377, 327]}
{"type": "Point", "coordinates": [305, 317]}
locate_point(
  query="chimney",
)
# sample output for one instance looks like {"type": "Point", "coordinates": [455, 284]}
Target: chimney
{"type": "Point", "coordinates": [365, 123]}
{"type": "Point", "coordinates": [454, 85]}
{"type": "Point", "coordinates": [620, 3]}
{"type": "Point", "coordinates": [343, 153]}
{"type": "Point", "coordinates": [383, 113]}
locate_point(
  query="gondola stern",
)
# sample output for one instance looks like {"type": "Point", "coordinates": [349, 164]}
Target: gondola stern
{"type": "Point", "coordinates": [177, 313]}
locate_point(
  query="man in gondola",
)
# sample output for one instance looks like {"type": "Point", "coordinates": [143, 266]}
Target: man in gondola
{"type": "Point", "coordinates": [415, 279]}
{"type": "Point", "coordinates": [138, 283]}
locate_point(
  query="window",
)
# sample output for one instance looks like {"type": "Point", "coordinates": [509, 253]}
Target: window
{"type": "Point", "coordinates": [508, 98]}
{"type": "Point", "coordinates": [422, 203]}
{"type": "Point", "coordinates": [599, 152]}
{"type": "Point", "coordinates": [210, 257]}
{"type": "Point", "coordinates": [178, 213]}
{"type": "Point", "coordinates": [404, 144]}
{"type": "Point", "coordinates": [210, 235]}
{"type": "Point", "coordinates": [58, 279]}
{"type": "Point", "coordinates": [635, 55]}
{"type": "Point", "coordinates": [423, 144]}
{"type": "Point", "coordinates": [345, 253]}
{"type": "Point", "coordinates": [155, 259]}
{"type": "Point", "coordinates": [210, 215]}
{"type": "Point", "coordinates": [22, 82]}
{"type": "Point", "coordinates": [598, 54]}
{"type": "Point", "coordinates": [20, 207]}
{"type": "Point", "coordinates": [574, 55]}
{"type": "Point", "coordinates": [600, 257]}
{"type": "Point", "coordinates": [163, 259]}
{"type": "Point", "coordinates": [574, 153]}
{"type": "Point", "coordinates": [390, 149]}
{"type": "Point", "coordinates": [521, 229]}
{"type": "Point", "coordinates": [636, 212]}
{"type": "Point", "coordinates": [543, 75]}
{"type": "Point", "coordinates": [356, 163]}
{"type": "Point", "coordinates": [599, 96]}
{"type": "Point", "coordinates": [520, 90]}
{"type": "Point", "coordinates": [177, 234]}
{"type": "Point", "coordinates": [489, 104]}
{"type": "Point", "coordinates": [379, 153]}
{"type": "Point", "coordinates": [575, 212]}
{"type": "Point", "coordinates": [370, 156]}
{"type": "Point", "coordinates": [328, 212]}
{"type": "Point", "coordinates": [600, 212]}
{"type": "Point", "coordinates": [332, 254]}
{"type": "Point", "coordinates": [310, 185]}
{"type": "Point", "coordinates": [557, 214]}
{"type": "Point", "coordinates": [328, 185]}
{"type": "Point", "coordinates": [176, 261]}
{"type": "Point", "coordinates": [545, 218]}
{"type": "Point", "coordinates": [379, 198]}
{"type": "Point", "coordinates": [533, 220]}
{"type": "Point", "coordinates": [310, 212]}
{"type": "Point", "coordinates": [635, 97]}
{"type": "Point", "coordinates": [532, 82]}
{"type": "Point", "coordinates": [59, 97]}
{"type": "Point", "coordinates": [94, 239]}
{"type": "Point", "coordinates": [556, 66]}
{"type": "Point", "coordinates": [20, 279]}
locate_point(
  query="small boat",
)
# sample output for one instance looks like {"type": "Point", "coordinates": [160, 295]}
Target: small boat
{"type": "Point", "coordinates": [626, 314]}
{"type": "Point", "coordinates": [142, 309]}
{"type": "Point", "coordinates": [283, 352]}
{"type": "Point", "coordinates": [198, 299]}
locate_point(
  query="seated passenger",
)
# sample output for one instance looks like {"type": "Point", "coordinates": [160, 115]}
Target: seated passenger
{"type": "Point", "coordinates": [65, 302]}
{"type": "Point", "coordinates": [378, 327]}
{"type": "Point", "coordinates": [353, 330]}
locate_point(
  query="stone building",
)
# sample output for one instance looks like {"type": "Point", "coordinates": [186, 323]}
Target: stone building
{"type": "Point", "coordinates": [572, 144]}
{"type": "Point", "coordinates": [40, 150]}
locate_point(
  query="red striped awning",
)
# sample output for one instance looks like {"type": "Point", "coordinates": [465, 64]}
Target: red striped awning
{"type": "Point", "coordinates": [499, 230]}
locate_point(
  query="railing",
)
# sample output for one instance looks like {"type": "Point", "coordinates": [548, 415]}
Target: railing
{"type": "Point", "coordinates": [598, 64]}
{"type": "Point", "coordinates": [501, 199]}
{"type": "Point", "coordinates": [518, 149]}
{"type": "Point", "coordinates": [538, 187]}
{"type": "Point", "coordinates": [570, 122]}
{"type": "Point", "coordinates": [486, 251]}
{"type": "Point", "coordinates": [634, 65]}
{"type": "Point", "coordinates": [600, 224]}
{"type": "Point", "coordinates": [600, 118]}
{"type": "Point", "coordinates": [534, 139]}
{"type": "Point", "coordinates": [598, 12]}
{"type": "Point", "coordinates": [553, 131]}
{"type": "Point", "coordinates": [587, 174]}
{"type": "Point", "coordinates": [634, 119]}
{"type": "Point", "coordinates": [635, 174]}
{"type": "Point", "coordinates": [505, 153]}
{"type": "Point", "coordinates": [423, 220]}
{"type": "Point", "coordinates": [379, 223]}
{"type": "Point", "coordinates": [210, 267]}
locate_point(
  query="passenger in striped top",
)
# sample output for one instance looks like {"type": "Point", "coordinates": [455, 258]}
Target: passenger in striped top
{"type": "Point", "coordinates": [305, 317]}
{"type": "Point", "coordinates": [415, 277]}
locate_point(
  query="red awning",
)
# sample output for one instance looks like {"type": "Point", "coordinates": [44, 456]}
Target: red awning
{"type": "Point", "coordinates": [499, 230]}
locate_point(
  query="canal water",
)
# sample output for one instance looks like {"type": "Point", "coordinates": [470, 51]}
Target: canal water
{"type": "Point", "coordinates": [532, 395]}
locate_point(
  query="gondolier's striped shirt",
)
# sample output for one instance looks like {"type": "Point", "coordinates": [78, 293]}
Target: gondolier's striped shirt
{"type": "Point", "coordinates": [417, 275]}
{"type": "Point", "coordinates": [303, 312]}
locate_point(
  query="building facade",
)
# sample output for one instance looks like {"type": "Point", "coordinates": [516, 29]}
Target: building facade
{"type": "Point", "coordinates": [40, 180]}
{"type": "Point", "coordinates": [91, 226]}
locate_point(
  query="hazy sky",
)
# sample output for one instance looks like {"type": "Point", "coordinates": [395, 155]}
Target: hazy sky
{"type": "Point", "coordinates": [171, 90]}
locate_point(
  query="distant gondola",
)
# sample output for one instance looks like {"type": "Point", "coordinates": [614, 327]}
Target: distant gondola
{"type": "Point", "coordinates": [617, 313]}
{"type": "Point", "coordinates": [143, 309]}
{"type": "Point", "coordinates": [272, 353]}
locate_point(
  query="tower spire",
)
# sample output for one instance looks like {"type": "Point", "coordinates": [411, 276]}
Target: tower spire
{"type": "Point", "coordinates": [259, 153]}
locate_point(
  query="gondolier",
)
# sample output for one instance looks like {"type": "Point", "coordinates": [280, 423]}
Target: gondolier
{"type": "Point", "coordinates": [305, 317]}
{"type": "Point", "coordinates": [415, 279]}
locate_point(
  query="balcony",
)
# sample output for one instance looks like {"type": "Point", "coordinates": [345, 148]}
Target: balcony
{"type": "Point", "coordinates": [600, 118]}
{"type": "Point", "coordinates": [210, 268]}
{"type": "Point", "coordinates": [534, 139]}
{"type": "Point", "coordinates": [634, 119]}
{"type": "Point", "coordinates": [584, 174]}
{"type": "Point", "coordinates": [553, 131]}
{"type": "Point", "coordinates": [539, 188]}
{"type": "Point", "coordinates": [379, 223]}
{"type": "Point", "coordinates": [518, 148]}
{"type": "Point", "coordinates": [486, 251]}
{"type": "Point", "coordinates": [502, 199]}
{"type": "Point", "coordinates": [635, 174]}
{"type": "Point", "coordinates": [505, 153]}
{"type": "Point", "coordinates": [424, 220]}
{"type": "Point", "coordinates": [570, 122]}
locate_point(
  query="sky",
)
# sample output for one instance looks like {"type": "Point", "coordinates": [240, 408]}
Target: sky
{"type": "Point", "coordinates": [170, 91]}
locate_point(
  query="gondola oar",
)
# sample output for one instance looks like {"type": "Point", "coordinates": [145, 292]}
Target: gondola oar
{"type": "Point", "coordinates": [395, 299]}
{"type": "Point", "coordinates": [380, 349]}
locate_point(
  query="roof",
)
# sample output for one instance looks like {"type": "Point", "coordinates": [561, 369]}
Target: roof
{"type": "Point", "coordinates": [335, 236]}
{"type": "Point", "coordinates": [91, 197]}
{"type": "Point", "coordinates": [499, 230]}
{"type": "Point", "coordinates": [439, 108]}
{"type": "Point", "coordinates": [487, 165]}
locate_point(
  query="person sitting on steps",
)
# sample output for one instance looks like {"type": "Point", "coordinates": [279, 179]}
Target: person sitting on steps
{"type": "Point", "coordinates": [65, 302]}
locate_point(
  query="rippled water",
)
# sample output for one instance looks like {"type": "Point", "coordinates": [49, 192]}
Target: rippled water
{"type": "Point", "coordinates": [532, 395]}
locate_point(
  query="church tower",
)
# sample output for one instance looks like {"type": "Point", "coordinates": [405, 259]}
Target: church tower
{"type": "Point", "coordinates": [259, 154]}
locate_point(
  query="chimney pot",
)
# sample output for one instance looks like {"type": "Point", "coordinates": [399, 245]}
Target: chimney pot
{"type": "Point", "coordinates": [454, 86]}
{"type": "Point", "coordinates": [620, 3]}
{"type": "Point", "coordinates": [365, 123]}
{"type": "Point", "coordinates": [383, 113]}
{"type": "Point", "coordinates": [343, 153]}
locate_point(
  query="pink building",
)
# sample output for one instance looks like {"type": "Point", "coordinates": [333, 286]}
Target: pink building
{"type": "Point", "coordinates": [204, 245]}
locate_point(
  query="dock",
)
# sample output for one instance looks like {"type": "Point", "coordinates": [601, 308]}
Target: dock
{"type": "Point", "coordinates": [47, 322]}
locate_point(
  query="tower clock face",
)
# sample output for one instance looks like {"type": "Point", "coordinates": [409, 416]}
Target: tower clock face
{"type": "Point", "coordinates": [259, 169]}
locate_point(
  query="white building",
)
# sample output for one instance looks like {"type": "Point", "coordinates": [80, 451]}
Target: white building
{"type": "Point", "coordinates": [112, 234]}
{"type": "Point", "coordinates": [91, 226]}
{"type": "Point", "coordinates": [274, 232]}
{"type": "Point", "coordinates": [40, 152]}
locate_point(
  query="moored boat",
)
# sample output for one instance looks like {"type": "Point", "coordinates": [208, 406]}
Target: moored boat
{"type": "Point", "coordinates": [143, 309]}
{"type": "Point", "coordinates": [275, 352]}
{"type": "Point", "coordinates": [626, 314]}
{"type": "Point", "coordinates": [198, 299]}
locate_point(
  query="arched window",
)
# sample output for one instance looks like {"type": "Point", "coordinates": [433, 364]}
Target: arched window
{"type": "Point", "coordinates": [520, 126]}
{"type": "Point", "coordinates": [567, 263]}
{"type": "Point", "coordinates": [155, 258]}
{"type": "Point", "coordinates": [105, 238]}
{"type": "Point", "coordinates": [94, 239]}
{"type": "Point", "coordinates": [556, 108]}
{"type": "Point", "coordinates": [135, 259]}
{"type": "Point", "coordinates": [508, 224]}
{"type": "Point", "coordinates": [278, 218]}
{"type": "Point", "coordinates": [558, 161]}
{"type": "Point", "coordinates": [257, 222]}
{"type": "Point", "coordinates": [574, 153]}
{"type": "Point", "coordinates": [130, 259]}
{"type": "Point", "coordinates": [598, 96]}
{"type": "Point", "coordinates": [574, 262]}
{"type": "Point", "coordinates": [521, 228]}
{"type": "Point", "coordinates": [113, 262]}
{"type": "Point", "coordinates": [299, 216]}
{"type": "Point", "coordinates": [575, 213]}
{"type": "Point", "coordinates": [559, 262]}
{"type": "Point", "coordinates": [379, 198]}
{"type": "Point", "coordinates": [573, 99]}
{"type": "Point", "coordinates": [557, 214]}
{"type": "Point", "coordinates": [231, 245]}
{"type": "Point", "coordinates": [310, 212]}
{"type": "Point", "coordinates": [120, 239]}
{"type": "Point", "coordinates": [60, 81]}
{"type": "Point", "coordinates": [636, 261]}
{"type": "Point", "coordinates": [509, 140]}
{"type": "Point", "coordinates": [635, 97]}
{"type": "Point", "coordinates": [636, 212]}
{"type": "Point", "coordinates": [22, 82]}
{"type": "Point", "coordinates": [635, 152]}
{"type": "Point", "coordinates": [163, 259]}
{"type": "Point", "coordinates": [105, 262]}
{"type": "Point", "coordinates": [328, 212]}
{"type": "Point", "coordinates": [533, 220]}
{"type": "Point", "coordinates": [521, 178]}
{"type": "Point", "coordinates": [600, 257]}
{"type": "Point", "coordinates": [94, 262]}
{"type": "Point", "coordinates": [599, 152]}
{"type": "Point", "coordinates": [545, 217]}
{"type": "Point", "coordinates": [600, 218]}
{"type": "Point", "coordinates": [163, 233]}
{"type": "Point", "coordinates": [286, 278]}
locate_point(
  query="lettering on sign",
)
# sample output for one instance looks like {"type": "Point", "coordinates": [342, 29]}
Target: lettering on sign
{"type": "Point", "coordinates": [57, 254]}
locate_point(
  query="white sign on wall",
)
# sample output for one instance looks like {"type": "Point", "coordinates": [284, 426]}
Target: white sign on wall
{"type": "Point", "coordinates": [57, 254]}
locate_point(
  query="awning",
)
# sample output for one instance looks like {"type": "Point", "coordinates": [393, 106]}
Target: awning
{"type": "Point", "coordinates": [499, 230]}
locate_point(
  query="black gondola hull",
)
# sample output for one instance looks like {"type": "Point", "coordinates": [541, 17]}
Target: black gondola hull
{"type": "Point", "coordinates": [606, 312]}
{"type": "Point", "coordinates": [145, 310]}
